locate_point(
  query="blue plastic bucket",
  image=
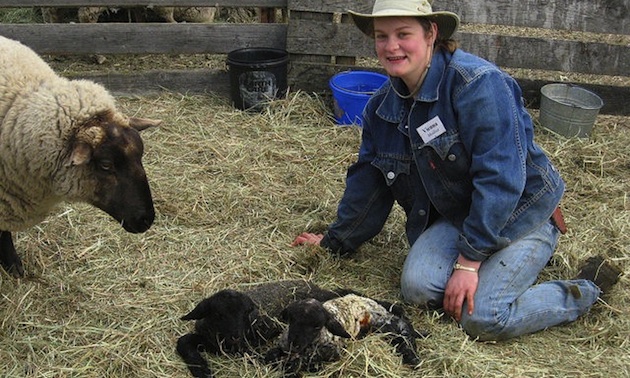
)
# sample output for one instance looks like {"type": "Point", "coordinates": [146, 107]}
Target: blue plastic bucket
{"type": "Point", "coordinates": [351, 91]}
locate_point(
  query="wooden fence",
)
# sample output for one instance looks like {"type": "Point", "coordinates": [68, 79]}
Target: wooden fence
{"type": "Point", "coordinates": [540, 40]}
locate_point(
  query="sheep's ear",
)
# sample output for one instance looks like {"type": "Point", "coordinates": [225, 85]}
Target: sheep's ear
{"type": "Point", "coordinates": [83, 142]}
{"type": "Point", "coordinates": [81, 154]}
{"type": "Point", "coordinates": [200, 311]}
{"type": "Point", "coordinates": [336, 328]}
{"type": "Point", "coordinates": [143, 123]}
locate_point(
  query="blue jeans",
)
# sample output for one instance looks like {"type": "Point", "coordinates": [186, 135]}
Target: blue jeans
{"type": "Point", "coordinates": [507, 303]}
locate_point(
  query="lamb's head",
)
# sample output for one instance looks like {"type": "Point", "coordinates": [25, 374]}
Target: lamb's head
{"type": "Point", "coordinates": [225, 318]}
{"type": "Point", "coordinates": [106, 152]}
{"type": "Point", "coordinates": [307, 319]}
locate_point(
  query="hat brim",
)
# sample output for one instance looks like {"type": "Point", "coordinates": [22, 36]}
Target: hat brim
{"type": "Point", "coordinates": [447, 22]}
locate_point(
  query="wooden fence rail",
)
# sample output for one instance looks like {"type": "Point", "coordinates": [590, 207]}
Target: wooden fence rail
{"type": "Point", "coordinates": [583, 40]}
{"type": "Point", "coordinates": [554, 37]}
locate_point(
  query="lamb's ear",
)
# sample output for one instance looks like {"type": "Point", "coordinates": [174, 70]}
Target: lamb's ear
{"type": "Point", "coordinates": [200, 311]}
{"type": "Point", "coordinates": [81, 154]}
{"type": "Point", "coordinates": [143, 123]}
{"type": "Point", "coordinates": [336, 328]}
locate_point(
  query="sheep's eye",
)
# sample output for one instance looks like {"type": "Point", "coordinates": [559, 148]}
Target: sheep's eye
{"type": "Point", "coordinates": [106, 165]}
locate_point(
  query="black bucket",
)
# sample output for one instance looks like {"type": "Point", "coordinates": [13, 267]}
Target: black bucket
{"type": "Point", "coordinates": [257, 76]}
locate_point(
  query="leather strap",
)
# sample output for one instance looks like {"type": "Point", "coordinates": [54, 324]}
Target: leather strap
{"type": "Point", "coordinates": [558, 220]}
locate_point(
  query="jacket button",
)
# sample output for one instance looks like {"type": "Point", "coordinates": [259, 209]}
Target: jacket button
{"type": "Point", "coordinates": [452, 157]}
{"type": "Point", "coordinates": [391, 175]}
{"type": "Point", "coordinates": [422, 213]}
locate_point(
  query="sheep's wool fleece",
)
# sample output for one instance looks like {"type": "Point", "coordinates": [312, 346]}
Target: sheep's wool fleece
{"type": "Point", "coordinates": [353, 312]}
{"type": "Point", "coordinates": [356, 313]}
{"type": "Point", "coordinates": [272, 297]}
{"type": "Point", "coordinates": [38, 112]}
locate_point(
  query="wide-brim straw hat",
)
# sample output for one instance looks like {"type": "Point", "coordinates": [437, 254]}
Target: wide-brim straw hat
{"type": "Point", "coordinates": [447, 22]}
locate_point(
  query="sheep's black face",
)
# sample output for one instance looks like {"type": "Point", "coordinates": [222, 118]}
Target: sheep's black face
{"type": "Point", "coordinates": [306, 319]}
{"type": "Point", "coordinates": [225, 320]}
{"type": "Point", "coordinates": [122, 188]}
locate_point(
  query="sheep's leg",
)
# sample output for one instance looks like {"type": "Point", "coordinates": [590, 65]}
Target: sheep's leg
{"type": "Point", "coordinates": [403, 337]}
{"type": "Point", "coordinates": [406, 348]}
{"type": "Point", "coordinates": [265, 329]}
{"type": "Point", "coordinates": [394, 308]}
{"type": "Point", "coordinates": [274, 355]}
{"type": "Point", "coordinates": [293, 368]}
{"type": "Point", "coordinates": [189, 348]}
{"type": "Point", "coordinates": [291, 364]}
{"type": "Point", "coordinates": [9, 258]}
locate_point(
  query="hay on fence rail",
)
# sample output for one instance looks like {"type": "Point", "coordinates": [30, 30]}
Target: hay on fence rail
{"type": "Point", "coordinates": [231, 190]}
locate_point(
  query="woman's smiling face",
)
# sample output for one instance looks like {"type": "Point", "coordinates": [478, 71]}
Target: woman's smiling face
{"type": "Point", "coordinates": [403, 47]}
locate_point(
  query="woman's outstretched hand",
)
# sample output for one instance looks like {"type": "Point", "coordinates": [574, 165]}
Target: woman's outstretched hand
{"type": "Point", "coordinates": [307, 238]}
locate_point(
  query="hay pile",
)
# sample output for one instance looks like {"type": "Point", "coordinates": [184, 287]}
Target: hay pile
{"type": "Point", "coordinates": [231, 190]}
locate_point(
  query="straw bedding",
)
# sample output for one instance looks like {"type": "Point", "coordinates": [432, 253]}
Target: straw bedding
{"type": "Point", "coordinates": [231, 191]}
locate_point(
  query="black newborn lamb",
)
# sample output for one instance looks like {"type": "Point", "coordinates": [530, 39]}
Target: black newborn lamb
{"type": "Point", "coordinates": [234, 322]}
{"type": "Point", "coordinates": [317, 331]}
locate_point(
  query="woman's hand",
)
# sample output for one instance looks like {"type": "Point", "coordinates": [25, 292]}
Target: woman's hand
{"type": "Point", "coordinates": [461, 287]}
{"type": "Point", "coordinates": [307, 238]}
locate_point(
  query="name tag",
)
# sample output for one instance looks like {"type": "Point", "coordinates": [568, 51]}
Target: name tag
{"type": "Point", "coordinates": [431, 129]}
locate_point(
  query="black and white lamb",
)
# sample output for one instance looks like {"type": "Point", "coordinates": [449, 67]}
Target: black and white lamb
{"type": "Point", "coordinates": [235, 322]}
{"type": "Point", "coordinates": [317, 331]}
{"type": "Point", "coordinates": [64, 140]}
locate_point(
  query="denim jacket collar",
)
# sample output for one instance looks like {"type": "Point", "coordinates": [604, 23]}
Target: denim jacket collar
{"type": "Point", "coordinates": [392, 108]}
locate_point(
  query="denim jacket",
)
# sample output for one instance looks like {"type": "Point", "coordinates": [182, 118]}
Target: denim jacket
{"type": "Point", "coordinates": [481, 170]}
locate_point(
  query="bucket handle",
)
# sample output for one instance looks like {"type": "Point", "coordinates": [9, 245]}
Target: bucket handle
{"type": "Point", "coordinates": [289, 65]}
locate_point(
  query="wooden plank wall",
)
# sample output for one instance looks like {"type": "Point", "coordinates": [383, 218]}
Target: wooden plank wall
{"type": "Point", "coordinates": [589, 37]}
{"type": "Point", "coordinates": [576, 36]}
{"type": "Point", "coordinates": [151, 38]}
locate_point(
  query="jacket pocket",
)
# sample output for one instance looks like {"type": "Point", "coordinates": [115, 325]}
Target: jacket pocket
{"type": "Point", "coordinates": [392, 167]}
{"type": "Point", "coordinates": [447, 157]}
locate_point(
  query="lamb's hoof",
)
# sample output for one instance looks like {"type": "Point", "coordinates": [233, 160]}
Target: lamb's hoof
{"type": "Point", "coordinates": [274, 355]}
{"type": "Point", "coordinates": [602, 272]}
{"type": "Point", "coordinates": [411, 360]}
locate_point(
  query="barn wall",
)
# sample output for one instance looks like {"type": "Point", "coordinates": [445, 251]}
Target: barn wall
{"type": "Point", "coordinates": [590, 38]}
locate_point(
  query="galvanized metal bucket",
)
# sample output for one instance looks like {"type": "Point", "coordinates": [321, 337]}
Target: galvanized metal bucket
{"type": "Point", "coordinates": [568, 109]}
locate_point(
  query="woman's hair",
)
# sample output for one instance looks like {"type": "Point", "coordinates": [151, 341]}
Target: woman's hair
{"type": "Point", "coordinates": [447, 44]}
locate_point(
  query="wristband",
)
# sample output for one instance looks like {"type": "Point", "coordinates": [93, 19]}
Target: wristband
{"type": "Point", "coordinates": [459, 266]}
